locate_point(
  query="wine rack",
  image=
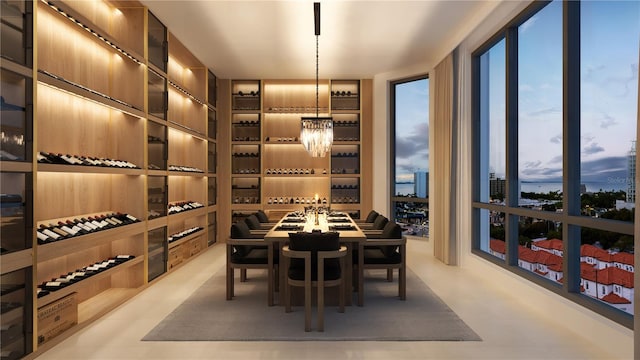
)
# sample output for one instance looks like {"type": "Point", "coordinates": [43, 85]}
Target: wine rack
{"type": "Point", "coordinates": [245, 95]}
{"type": "Point", "coordinates": [265, 145]}
{"type": "Point", "coordinates": [126, 126]}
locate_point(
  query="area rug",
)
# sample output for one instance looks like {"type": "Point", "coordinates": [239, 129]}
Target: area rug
{"type": "Point", "coordinates": [207, 316]}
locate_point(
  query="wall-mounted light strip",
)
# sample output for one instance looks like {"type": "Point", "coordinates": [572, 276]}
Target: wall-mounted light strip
{"type": "Point", "coordinates": [51, 84]}
{"type": "Point", "coordinates": [92, 32]}
{"type": "Point", "coordinates": [179, 88]}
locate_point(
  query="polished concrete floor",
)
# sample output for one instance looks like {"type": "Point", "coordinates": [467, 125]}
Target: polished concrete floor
{"type": "Point", "coordinates": [510, 328]}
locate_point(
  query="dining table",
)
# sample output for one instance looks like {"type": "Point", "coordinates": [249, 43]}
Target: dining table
{"type": "Point", "coordinates": [317, 220]}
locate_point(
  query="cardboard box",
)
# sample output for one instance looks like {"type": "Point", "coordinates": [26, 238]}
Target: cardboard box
{"type": "Point", "coordinates": [56, 317]}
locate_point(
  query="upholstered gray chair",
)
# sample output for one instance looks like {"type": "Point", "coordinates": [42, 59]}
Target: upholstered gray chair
{"type": "Point", "coordinates": [314, 259]}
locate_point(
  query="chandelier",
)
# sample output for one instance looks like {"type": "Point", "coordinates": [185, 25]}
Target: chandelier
{"type": "Point", "coordinates": [316, 133]}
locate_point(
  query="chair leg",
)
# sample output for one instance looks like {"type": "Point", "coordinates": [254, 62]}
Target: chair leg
{"type": "Point", "coordinates": [243, 275]}
{"type": "Point", "coordinates": [307, 304]}
{"type": "Point", "coordinates": [287, 297]}
{"type": "Point", "coordinates": [389, 275]}
{"type": "Point", "coordinates": [229, 282]}
{"type": "Point", "coordinates": [320, 289]}
{"type": "Point", "coordinates": [402, 282]}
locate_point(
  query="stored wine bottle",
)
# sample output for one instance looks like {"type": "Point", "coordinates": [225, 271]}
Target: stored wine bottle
{"type": "Point", "coordinates": [45, 230]}
{"type": "Point", "coordinates": [67, 229]}
{"type": "Point", "coordinates": [42, 238]}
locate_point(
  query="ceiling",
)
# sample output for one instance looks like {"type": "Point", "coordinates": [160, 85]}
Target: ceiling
{"type": "Point", "coordinates": [276, 39]}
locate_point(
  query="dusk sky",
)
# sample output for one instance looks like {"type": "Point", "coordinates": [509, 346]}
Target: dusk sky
{"type": "Point", "coordinates": [412, 128]}
{"type": "Point", "coordinates": [609, 77]}
{"type": "Point", "coordinates": [609, 83]}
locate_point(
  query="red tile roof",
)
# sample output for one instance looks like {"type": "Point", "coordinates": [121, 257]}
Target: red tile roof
{"type": "Point", "coordinates": [623, 258]}
{"type": "Point", "coordinates": [497, 246]}
{"type": "Point", "coordinates": [612, 298]}
{"type": "Point", "coordinates": [595, 252]}
{"type": "Point", "coordinates": [608, 276]}
{"type": "Point", "coordinates": [551, 244]}
{"type": "Point", "coordinates": [526, 254]}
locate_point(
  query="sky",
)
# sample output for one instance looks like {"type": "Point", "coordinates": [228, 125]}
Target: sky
{"type": "Point", "coordinates": [610, 36]}
{"type": "Point", "coordinates": [610, 32]}
{"type": "Point", "coordinates": [412, 129]}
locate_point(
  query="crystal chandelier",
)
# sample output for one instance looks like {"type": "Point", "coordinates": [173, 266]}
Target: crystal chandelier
{"type": "Point", "coordinates": [316, 133]}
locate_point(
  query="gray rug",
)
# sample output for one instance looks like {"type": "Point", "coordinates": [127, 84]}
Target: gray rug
{"type": "Point", "coordinates": [207, 316]}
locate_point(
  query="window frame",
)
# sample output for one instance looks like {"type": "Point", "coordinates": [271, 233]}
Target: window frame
{"type": "Point", "coordinates": [392, 142]}
{"type": "Point", "coordinates": [571, 220]}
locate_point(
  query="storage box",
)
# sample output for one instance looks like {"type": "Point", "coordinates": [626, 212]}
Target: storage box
{"type": "Point", "coordinates": [175, 257]}
{"type": "Point", "coordinates": [56, 317]}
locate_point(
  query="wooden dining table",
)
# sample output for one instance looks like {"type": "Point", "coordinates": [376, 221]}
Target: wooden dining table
{"type": "Point", "coordinates": [350, 235]}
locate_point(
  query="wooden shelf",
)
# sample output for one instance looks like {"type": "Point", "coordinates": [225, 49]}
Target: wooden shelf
{"type": "Point", "coordinates": [97, 306]}
{"type": "Point", "coordinates": [186, 239]}
{"type": "Point", "coordinates": [16, 166]}
{"type": "Point", "coordinates": [77, 243]}
{"type": "Point", "coordinates": [59, 294]}
{"type": "Point", "coordinates": [16, 260]}
{"type": "Point", "coordinates": [88, 169]}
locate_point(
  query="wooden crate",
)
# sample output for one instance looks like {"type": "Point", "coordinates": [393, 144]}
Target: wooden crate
{"type": "Point", "coordinates": [175, 257]}
{"type": "Point", "coordinates": [56, 317]}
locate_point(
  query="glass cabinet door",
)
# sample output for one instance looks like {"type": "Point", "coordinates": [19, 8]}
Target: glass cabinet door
{"type": "Point", "coordinates": [15, 211]}
{"type": "Point", "coordinates": [16, 113]}
{"type": "Point", "coordinates": [158, 47]}
{"type": "Point", "coordinates": [16, 19]}
{"type": "Point", "coordinates": [15, 314]}
{"type": "Point", "coordinates": [157, 250]}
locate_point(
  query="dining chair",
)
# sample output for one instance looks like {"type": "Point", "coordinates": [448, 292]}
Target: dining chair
{"type": "Point", "coordinates": [376, 226]}
{"type": "Point", "coordinates": [371, 217]}
{"type": "Point", "coordinates": [254, 224]}
{"type": "Point", "coordinates": [387, 250]}
{"type": "Point", "coordinates": [246, 250]}
{"type": "Point", "coordinates": [314, 260]}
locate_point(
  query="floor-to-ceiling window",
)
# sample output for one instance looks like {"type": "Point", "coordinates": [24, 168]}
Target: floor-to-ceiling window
{"type": "Point", "coordinates": [410, 139]}
{"type": "Point", "coordinates": [555, 114]}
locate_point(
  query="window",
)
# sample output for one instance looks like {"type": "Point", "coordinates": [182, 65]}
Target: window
{"type": "Point", "coordinates": [568, 228]}
{"type": "Point", "coordinates": [410, 176]}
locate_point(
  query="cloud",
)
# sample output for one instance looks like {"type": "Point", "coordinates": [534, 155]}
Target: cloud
{"type": "Point", "coordinates": [532, 164]}
{"type": "Point", "coordinates": [592, 148]}
{"type": "Point", "coordinates": [551, 110]}
{"type": "Point", "coordinates": [556, 159]}
{"type": "Point", "coordinates": [608, 121]}
{"type": "Point", "coordinates": [556, 139]}
{"type": "Point", "coordinates": [417, 142]}
{"type": "Point", "coordinates": [601, 169]}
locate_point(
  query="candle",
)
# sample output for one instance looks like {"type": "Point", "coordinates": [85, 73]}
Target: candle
{"type": "Point", "coordinates": [316, 198]}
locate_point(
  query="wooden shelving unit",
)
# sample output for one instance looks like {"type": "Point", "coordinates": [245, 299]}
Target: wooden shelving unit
{"type": "Point", "coordinates": [109, 81]}
{"type": "Point", "coordinates": [278, 175]}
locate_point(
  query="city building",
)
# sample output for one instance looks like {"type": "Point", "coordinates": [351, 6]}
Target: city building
{"type": "Point", "coordinates": [421, 184]}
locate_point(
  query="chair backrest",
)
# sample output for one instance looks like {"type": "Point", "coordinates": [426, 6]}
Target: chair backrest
{"type": "Point", "coordinates": [262, 216]}
{"type": "Point", "coordinates": [240, 230]}
{"type": "Point", "coordinates": [252, 222]}
{"type": "Point", "coordinates": [380, 222]}
{"type": "Point", "coordinates": [314, 242]}
{"type": "Point", "coordinates": [391, 231]}
{"type": "Point", "coordinates": [371, 217]}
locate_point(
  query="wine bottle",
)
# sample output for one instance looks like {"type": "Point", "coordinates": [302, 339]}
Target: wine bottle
{"type": "Point", "coordinates": [42, 238]}
{"type": "Point", "coordinates": [45, 230]}
{"type": "Point", "coordinates": [65, 228]}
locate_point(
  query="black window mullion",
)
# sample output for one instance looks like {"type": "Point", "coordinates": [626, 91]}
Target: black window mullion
{"type": "Point", "coordinates": [512, 188]}
{"type": "Point", "coordinates": [571, 143]}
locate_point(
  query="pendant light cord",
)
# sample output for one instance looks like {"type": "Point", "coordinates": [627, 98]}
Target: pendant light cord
{"type": "Point", "coordinates": [317, 72]}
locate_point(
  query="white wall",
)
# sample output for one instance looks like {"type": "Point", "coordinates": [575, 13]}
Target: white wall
{"type": "Point", "coordinates": [564, 312]}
